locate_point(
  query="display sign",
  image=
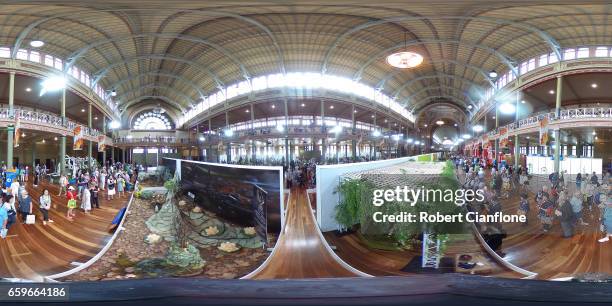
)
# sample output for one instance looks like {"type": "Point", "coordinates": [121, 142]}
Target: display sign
{"type": "Point", "coordinates": [544, 131]}
{"type": "Point", "coordinates": [101, 143]}
{"type": "Point", "coordinates": [78, 139]}
{"type": "Point", "coordinates": [503, 137]}
{"type": "Point", "coordinates": [246, 196]}
{"type": "Point", "coordinates": [10, 176]}
{"type": "Point", "coordinates": [17, 133]}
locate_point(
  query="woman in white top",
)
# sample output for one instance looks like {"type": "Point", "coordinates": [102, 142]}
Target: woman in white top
{"type": "Point", "coordinates": [45, 206]}
{"type": "Point", "coordinates": [86, 200]}
{"type": "Point", "coordinates": [15, 187]}
{"type": "Point", "coordinates": [102, 179]}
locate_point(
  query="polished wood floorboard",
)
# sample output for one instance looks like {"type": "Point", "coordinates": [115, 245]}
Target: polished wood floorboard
{"type": "Point", "coordinates": [389, 263]}
{"type": "Point", "coordinates": [549, 254]}
{"type": "Point", "coordinates": [35, 251]}
{"type": "Point", "coordinates": [300, 252]}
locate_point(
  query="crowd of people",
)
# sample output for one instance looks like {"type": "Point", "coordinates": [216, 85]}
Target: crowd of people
{"type": "Point", "coordinates": [556, 200]}
{"type": "Point", "coordinates": [301, 173]}
{"type": "Point", "coordinates": [113, 180]}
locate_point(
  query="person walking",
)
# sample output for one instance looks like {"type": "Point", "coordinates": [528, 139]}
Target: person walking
{"type": "Point", "coordinates": [606, 217]}
{"type": "Point", "coordinates": [63, 184]}
{"type": "Point", "coordinates": [110, 193]}
{"type": "Point", "coordinates": [15, 187]}
{"type": "Point", "coordinates": [25, 206]}
{"type": "Point", "coordinates": [120, 186]}
{"type": "Point", "coordinates": [86, 201]}
{"type": "Point", "coordinates": [566, 216]}
{"type": "Point", "coordinates": [102, 179]}
{"type": "Point", "coordinates": [36, 175]}
{"type": "Point", "coordinates": [8, 202]}
{"type": "Point", "coordinates": [576, 203]}
{"type": "Point", "coordinates": [72, 203]}
{"type": "Point", "coordinates": [94, 190]}
{"type": "Point", "coordinates": [3, 222]}
{"type": "Point", "coordinates": [45, 206]}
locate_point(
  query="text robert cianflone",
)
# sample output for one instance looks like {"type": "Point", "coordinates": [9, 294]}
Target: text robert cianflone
{"type": "Point", "coordinates": [412, 196]}
{"type": "Point", "coordinates": [380, 217]}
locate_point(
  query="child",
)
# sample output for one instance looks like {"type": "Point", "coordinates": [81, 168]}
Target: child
{"type": "Point", "coordinates": [72, 203]}
{"type": "Point", "coordinates": [94, 196]}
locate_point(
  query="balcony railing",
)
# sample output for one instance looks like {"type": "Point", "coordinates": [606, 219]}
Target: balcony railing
{"type": "Point", "coordinates": [564, 115]}
{"type": "Point", "coordinates": [161, 140]}
{"type": "Point", "coordinates": [49, 120]}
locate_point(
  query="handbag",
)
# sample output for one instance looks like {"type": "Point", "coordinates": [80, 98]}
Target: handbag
{"type": "Point", "coordinates": [31, 219]}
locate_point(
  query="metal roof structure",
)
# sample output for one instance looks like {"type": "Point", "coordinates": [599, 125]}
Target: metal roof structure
{"type": "Point", "coordinates": [147, 49]}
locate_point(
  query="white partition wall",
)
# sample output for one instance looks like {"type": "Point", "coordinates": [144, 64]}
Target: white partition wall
{"type": "Point", "coordinates": [544, 165]}
{"type": "Point", "coordinates": [328, 178]}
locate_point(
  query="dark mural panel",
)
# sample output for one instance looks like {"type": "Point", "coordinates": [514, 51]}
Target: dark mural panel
{"type": "Point", "coordinates": [236, 194]}
{"type": "Point", "coordinates": [170, 164]}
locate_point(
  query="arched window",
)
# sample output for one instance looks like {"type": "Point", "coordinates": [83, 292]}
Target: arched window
{"type": "Point", "coordinates": [152, 120]}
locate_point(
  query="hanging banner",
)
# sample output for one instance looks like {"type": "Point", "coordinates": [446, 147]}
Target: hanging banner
{"type": "Point", "coordinates": [17, 131]}
{"type": "Point", "coordinates": [544, 131]}
{"type": "Point", "coordinates": [485, 141]}
{"type": "Point", "coordinates": [503, 137]}
{"type": "Point", "coordinates": [101, 143]}
{"type": "Point", "coordinates": [78, 140]}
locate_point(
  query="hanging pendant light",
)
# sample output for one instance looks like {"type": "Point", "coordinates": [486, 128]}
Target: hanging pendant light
{"type": "Point", "coordinates": [405, 59]}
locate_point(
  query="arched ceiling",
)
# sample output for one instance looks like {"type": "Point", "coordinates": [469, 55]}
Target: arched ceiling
{"type": "Point", "coordinates": [184, 49]}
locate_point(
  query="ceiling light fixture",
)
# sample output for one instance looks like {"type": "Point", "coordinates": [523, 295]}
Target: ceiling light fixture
{"type": "Point", "coordinates": [28, 89]}
{"type": "Point", "coordinates": [331, 107]}
{"type": "Point", "coordinates": [82, 110]}
{"type": "Point", "coordinates": [303, 105]}
{"type": "Point", "coordinates": [405, 59]}
{"type": "Point", "coordinates": [477, 128]}
{"type": "Point", "coordinates": [425, 125]}
{"type": "Point", "coordinates": [523, 102]}
{"type": "Point", "coordinates": [247, 111]}
{"type": "Point", "coordinates": [273, 106]}
{"type": "Point", "coordinates": [507, 108]}
{"type": "Point", "coordinates": [492, 74]}
{"type": "Point", "coordinates": [469, 106]}
{"type": "Point", "coordinates": [594, 85]}
{"type": "Point", "coordinates": [55, 138]}
{"type": "Point", "coordinates": [552, 92]}
{"type": "Point", "coordinates": [54, 83]}
{"type": "Point", "coordinates": [37, 43]}
{"type": "Point", "coordinates": [113, 93]}
{"type": "Point", "coordinates": [440, 122]}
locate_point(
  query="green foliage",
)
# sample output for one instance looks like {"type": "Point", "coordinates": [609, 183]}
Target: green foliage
{"type": "Point", "coordinates": [356, 207]}
{"type": "Point", "coordinates": [353, 194]}
{"type": "Point", "coordinates": [171, 186]}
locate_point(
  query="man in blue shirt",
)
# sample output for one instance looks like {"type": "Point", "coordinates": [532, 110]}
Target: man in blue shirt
{"type": "Point", "coordinates": [3, 221]}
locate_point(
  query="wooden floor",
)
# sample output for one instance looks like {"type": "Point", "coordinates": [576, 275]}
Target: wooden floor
{"type": "Point", "coordinates": [390, 263]}
{"type": "Point", "coordinates": [34, 251]}
{"type": "Point", "coordinates": [300, 251]}
{"type": "Point", "coordinates": [550, 255]}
